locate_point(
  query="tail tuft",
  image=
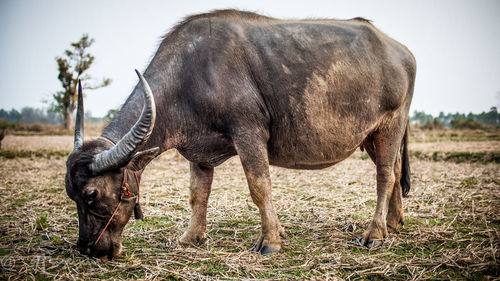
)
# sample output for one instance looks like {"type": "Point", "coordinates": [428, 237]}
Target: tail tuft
{"type": "Point", "coordinates": [405, 165]}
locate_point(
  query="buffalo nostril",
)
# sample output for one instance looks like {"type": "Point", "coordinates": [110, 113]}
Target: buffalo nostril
{"type": "Point", "coordinates": [84, 250]}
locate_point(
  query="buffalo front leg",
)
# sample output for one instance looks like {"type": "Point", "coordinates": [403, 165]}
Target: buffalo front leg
{"type": "Point", "coordinates": [200, 187]}
{"type": "Point", "coordinates": [256, 166]}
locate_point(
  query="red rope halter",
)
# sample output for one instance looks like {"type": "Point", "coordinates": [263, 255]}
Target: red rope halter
{"type": "Point", "coordinates": [126, 192]}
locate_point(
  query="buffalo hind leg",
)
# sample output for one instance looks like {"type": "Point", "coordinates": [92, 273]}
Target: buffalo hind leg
{"type": "Point", "coordinates": [395, 212]}
{"type": "Point", "coordinates": [200, 187]}
{"type": "Point", "coordinates": [254, 160]}
{"type": "Point", "coordinates": [387, 145]}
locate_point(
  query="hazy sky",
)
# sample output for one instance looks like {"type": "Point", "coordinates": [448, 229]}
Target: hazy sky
{"type": "Point", "coordinates": [456, 44]}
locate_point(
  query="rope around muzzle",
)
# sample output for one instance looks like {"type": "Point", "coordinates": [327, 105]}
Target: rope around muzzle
{"type": "Point", "coordinates": [125, 192]}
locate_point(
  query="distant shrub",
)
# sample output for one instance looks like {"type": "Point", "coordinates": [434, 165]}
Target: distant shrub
{"type": "Point", "coordinates": [36, 128]}
{"type": "Point", "coordinates": [467, 123]}
{"type": "Point", "coordinates": [7, 125]}
{"type": "Point", "coordinates": [433, 125]}
{"type": "Point", "coordinates": [21, 128]}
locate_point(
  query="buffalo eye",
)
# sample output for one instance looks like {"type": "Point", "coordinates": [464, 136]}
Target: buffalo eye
{"type": "Point", "coordinates": [90, 196]}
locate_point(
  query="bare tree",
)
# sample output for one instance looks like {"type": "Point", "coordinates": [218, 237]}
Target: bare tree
{"type": "Point", "coordinates": [73, 66]}
{"type": "Point", "coordinates": [3, 132]}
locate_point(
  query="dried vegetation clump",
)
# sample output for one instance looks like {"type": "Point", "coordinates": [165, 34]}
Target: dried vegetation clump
{"type": "Point", "coordinates": [452, 224]}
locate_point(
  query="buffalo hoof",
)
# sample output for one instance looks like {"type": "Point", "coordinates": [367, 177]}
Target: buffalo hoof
{"type": "Point", "coordinates": [374, 236]}
{"type": "Point", "coordinates": [269, 246]}
{"type": "Point", "coordinates": [370, 244]}
{"type": "Point", "coordinates": [265, 249]}
{"type": "Point", "coordinates": [191, 240]}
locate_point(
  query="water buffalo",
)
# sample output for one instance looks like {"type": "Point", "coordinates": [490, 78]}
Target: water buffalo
{"type": "Point", "coordinates": [302, 94]}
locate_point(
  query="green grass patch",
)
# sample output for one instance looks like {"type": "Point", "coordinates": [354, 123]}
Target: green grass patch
{"type": "Point", "coordinates": [19, 202]}
{"type": "Point", "coordinates": [152, 223]}
{"type": "Point", "coordinates": [127, 274]}
{"type": "Point", "coordinates": [178, 207]}
{"type": "Point", "coordinates": [211, 267]}
{"type": "Point", "coordinates": [7, 218]}
{"type": "Point", "coordinates": [42, 222]}
{"type": "Point", "coordinates": [172, 277]}
{"type": "Point", "coordinates": [237, 223]}
{"type": "Point", "coordinates": [458, 157]}
{"type": "Point", "coordinates": [468, 182]}
{"type": "Point", "coordinates": [370, 203]}
{"type": "Point", "coordinates": [486, 134]}
{"type": "Point", "coordinates": [4, 251]}
{"type": "Point", "coordinates": [133, 241]}
{"type": "Point", "coordinates": [57, 240]}
{"type": "Point", "coordinates": [298, 272]}
{"type": "Point", "coordinates": [452, 273]}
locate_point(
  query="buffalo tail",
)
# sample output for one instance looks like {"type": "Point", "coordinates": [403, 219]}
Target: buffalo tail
{"type": "Point", "coordinates": [405, 165]}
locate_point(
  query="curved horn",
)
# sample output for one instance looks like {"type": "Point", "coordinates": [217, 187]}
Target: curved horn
{"type": "Point", "coordinates": [140, 132]}
{"type": "Point", "coordinates": [79, 119]}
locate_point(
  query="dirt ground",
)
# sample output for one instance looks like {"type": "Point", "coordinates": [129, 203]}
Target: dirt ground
{"type": "Point", "coordinates": [451, 231]}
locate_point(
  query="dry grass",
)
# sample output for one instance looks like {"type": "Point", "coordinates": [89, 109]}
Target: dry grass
{"type": "Point", "coordinates": [55, 143]}
{"type": "Point", "coordinates": [455, 146]}
{"type": "Point", "coordinates": [488, 133]}
{"type": "Point", "coordinates": [38, 129]}
{"type": "Point", "coordinates": [452, 228]}
{"type": "Point", "coordinates": [12, 142]}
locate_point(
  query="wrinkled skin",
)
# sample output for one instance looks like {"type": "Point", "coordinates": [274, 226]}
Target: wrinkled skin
{"type": "Point", "coordinates": [296, 94]}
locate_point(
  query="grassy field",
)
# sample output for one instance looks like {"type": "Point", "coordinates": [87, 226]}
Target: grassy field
{"type": "Point", "coordinates": [451, 231]}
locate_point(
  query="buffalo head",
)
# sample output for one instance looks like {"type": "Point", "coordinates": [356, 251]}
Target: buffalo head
{"type": "Point", "coordinates": [103, 179]}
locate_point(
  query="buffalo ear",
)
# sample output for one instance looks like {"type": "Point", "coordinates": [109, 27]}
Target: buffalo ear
{"type": "Point", "coordinates": [142, 158]}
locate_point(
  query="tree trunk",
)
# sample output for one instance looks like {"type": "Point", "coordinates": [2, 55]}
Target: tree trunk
{"type": "Point", "coordinates": [68, 120]}
{"type": "Point", "coordinates": [3, 132]}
